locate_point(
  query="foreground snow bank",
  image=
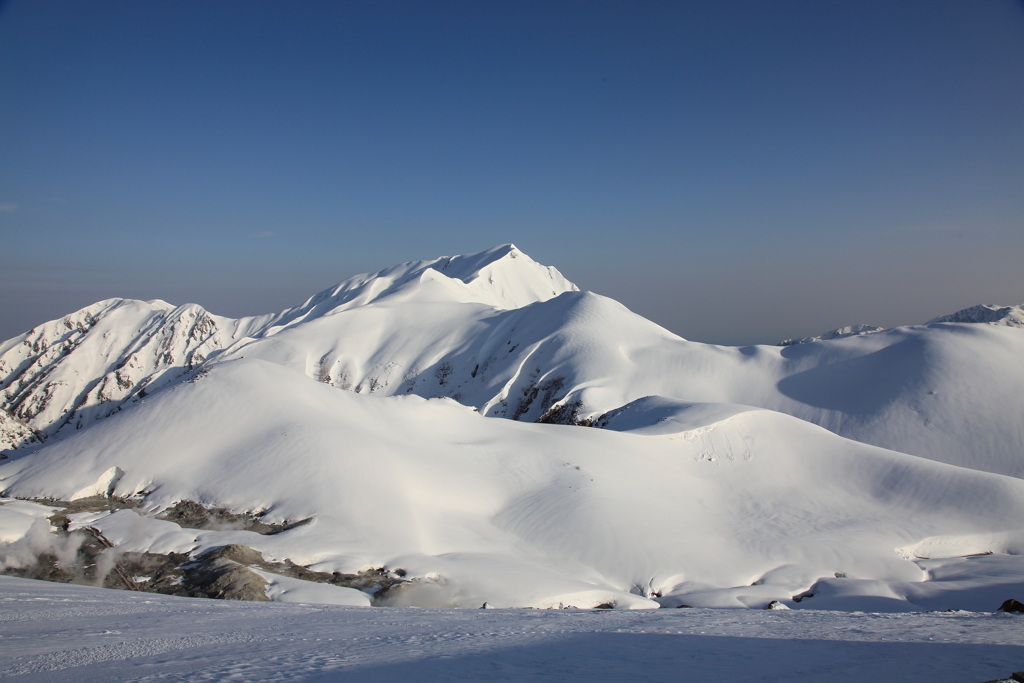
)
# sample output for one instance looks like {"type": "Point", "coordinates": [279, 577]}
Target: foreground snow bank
{"type": "Point", "coordinates": [75, 634]}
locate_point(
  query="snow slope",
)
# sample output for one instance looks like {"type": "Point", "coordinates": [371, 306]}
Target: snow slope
{"type": "Point", "coordinates": [76, 634]}
{"type": "Point", "coordinates": [749, 507]}
{"type": "Point", "coordinates": [952, 393]}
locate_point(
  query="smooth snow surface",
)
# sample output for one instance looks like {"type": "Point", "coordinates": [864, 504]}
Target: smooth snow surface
{"type": "Point", "coordinates": [17, 516]}
{"type": "Point", "coordinates": [75, 634]}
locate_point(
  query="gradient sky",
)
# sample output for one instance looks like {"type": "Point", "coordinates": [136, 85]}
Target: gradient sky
{"type": "Point", "coordinates": [739, 172]}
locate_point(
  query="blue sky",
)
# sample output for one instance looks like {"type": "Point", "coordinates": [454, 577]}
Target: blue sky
{"type": "Point", "coordinates": [739, 172]}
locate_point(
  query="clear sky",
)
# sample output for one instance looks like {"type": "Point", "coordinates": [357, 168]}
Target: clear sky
{"type": "Point", "coordinates": [739, 172]}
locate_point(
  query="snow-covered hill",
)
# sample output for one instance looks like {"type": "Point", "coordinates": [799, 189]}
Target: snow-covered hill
{"type": "Point", "coordinates": [718, 476]}
{"type": "Point", "coordinates": [750, 506]}
{"type": "Point", "coordinates": [575, 357]}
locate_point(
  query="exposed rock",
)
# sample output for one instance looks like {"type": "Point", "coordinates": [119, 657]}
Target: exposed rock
{"type": "Point", "coordinates": [15, 434]}
{"type": "Point", "coordinates": [566, 413]}
{"type": "Point", "coordinates": [226, 572]}
{"type": "Point", "coordinates": [1011, 605]}
{"type": "Point", "coordinates": [191, 515]}
{"type": "Point", "coordinates": [216, 575]}
{"type": "Point", "coordinates": [61, 518]}
{"type": "Point", "coordinates": [1015, 677]}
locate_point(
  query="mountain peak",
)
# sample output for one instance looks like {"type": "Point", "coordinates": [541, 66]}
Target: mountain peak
{"type": "Point", "coordinates": [503, 277]}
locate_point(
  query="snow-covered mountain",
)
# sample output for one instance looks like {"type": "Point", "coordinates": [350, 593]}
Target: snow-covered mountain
{"type": "Point", "coordinates": [369, 410]}
{"type": "Point", "coordinates": [67, 373]}
{"type": "Point", "coordinates": [514, 339]}
{"type": "Point", "coordinates": [1009, 316]}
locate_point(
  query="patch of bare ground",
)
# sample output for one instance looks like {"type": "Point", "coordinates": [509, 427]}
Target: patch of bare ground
{"type": "Point", "coordinates": [86, 556]}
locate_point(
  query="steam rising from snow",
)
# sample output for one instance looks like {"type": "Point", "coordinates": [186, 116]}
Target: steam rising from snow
{"type": "Point", "coordinates": [40, 540]}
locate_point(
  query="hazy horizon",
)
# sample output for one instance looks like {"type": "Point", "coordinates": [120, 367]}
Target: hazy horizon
{"type": "Point", "coordinates": [738, 172]}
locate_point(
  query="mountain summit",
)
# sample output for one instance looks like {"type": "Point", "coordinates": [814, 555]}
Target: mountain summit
{"type": "Point", "coordinates": [67, 373]}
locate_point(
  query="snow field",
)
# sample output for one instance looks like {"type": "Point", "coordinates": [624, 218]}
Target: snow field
{"type": "Point", "coordinates": [57, 633]}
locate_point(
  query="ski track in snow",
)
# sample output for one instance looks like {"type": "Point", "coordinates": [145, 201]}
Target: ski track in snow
{"type": "Point", "coordinates": [73, 633]}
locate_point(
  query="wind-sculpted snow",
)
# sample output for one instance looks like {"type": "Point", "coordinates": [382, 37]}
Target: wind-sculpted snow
{"type": "Point", "coordinates": [753, 506]}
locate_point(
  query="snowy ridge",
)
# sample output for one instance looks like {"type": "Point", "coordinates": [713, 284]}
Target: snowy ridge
{"type": "Point", "coordinates": [569, 359]}
{"type": "Point", "coordinates": [838, 333]}
{"type": "Point", "coordinates": [1007, 316]}
{"type": "Point", "coordinates": [503, 277]}
{"type": "Point", "coordinates": [90, 364]}
{"type": "Point", "coordinates": [1010, 316]}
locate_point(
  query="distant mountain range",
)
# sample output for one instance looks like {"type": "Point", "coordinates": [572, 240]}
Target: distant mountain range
{"type": "Point", "coordinates": [1007, 316]}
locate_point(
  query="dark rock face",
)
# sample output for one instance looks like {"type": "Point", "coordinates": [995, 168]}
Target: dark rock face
{"type": "Point", "coordinates": [222, 574]}
{"type": "Point", "coordinates": [1017, 676]}
{"type": "Point", "coordinates": [191, 515]}
{"type": "Point", "coordinates": [1011, 605]}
